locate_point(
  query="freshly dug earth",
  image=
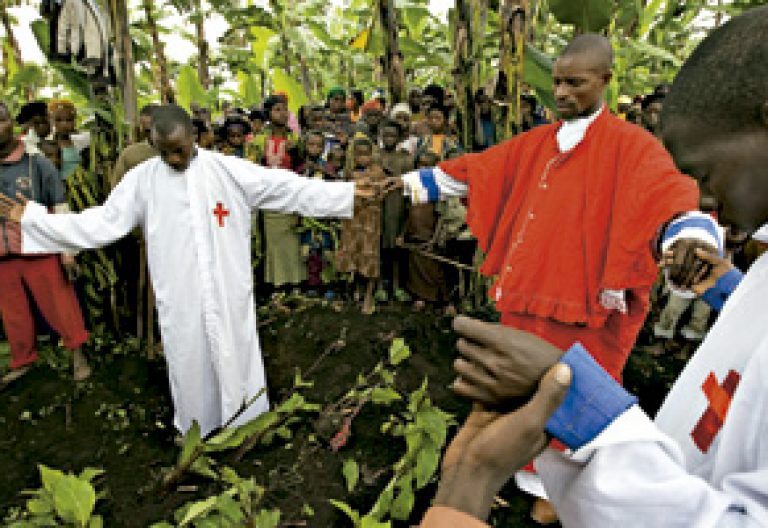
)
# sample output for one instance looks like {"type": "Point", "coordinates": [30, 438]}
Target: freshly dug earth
{"type": "Point", "coordinates": [120, 419]}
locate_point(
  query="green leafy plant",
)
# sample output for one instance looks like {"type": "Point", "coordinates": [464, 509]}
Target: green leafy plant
{"type": "Point", "coordinates": [236, 507]}
{"type": "Point", "coordinates": [64, 500]}
{"type": "Point", "coordinates": [424, 427]}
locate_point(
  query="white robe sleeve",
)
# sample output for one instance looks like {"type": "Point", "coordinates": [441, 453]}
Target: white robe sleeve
{"type": "Point", "coordinates": [285, 191]}
{"type": "Point", "coordinates": [95, 227]}
{"type": "Point", "coordinates": [632, 475]}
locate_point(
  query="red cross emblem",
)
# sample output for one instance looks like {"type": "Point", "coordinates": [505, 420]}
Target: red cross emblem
{"type": "Point", "coordinates": [719, 398]}
{"type": "Point", "coordinates": [220, 213]}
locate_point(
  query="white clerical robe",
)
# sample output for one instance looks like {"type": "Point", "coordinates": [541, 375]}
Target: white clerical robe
{"type": "Point", "coordinates": [689, 468]}
{"type": "Point", "coordinates": [197, 225]}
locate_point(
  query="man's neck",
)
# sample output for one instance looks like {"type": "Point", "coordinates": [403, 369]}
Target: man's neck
{"type": "Point", "coordinates": [279, 130]}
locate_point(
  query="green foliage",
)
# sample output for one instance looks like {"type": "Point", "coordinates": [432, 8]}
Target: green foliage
{"type": "Point", "coordinates": [282, 82]}
{"type": "Point", "coordinates": [188, 88]}
{"type": "Point", "coordinates": [64, 500]}
{"type": "Point", "coordinates": [238, 505]}
{"type": "Point", "coordinates": [351, 472]}
{"type": "Point", "coordinates": [587, 15]}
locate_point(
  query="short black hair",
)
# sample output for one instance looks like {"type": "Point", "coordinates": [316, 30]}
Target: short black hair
{"type": "Point", "coordinates": [232, 121]}
{"type": "Point", "coordinates": [651, 98]}
{"type": "Point", "coordinates": [167, 118]}
{"type": "Point", "coordinates": [362, 142]}
{"type": "Point", "coordinates": [724, 83]}
{"type": "Point", "coordinates": [30, 110]}
{"type": "Point", "coordinates": [434, 91]}
{"type": "Point", "coordinates": [314, 132]}
{"type": "Point", "coordinates": [439, 108]}
{"type": "Point", "coordinates": [391, 123]}
{"type": "Point", "coordinates": [148, 109]}
{"type": "Point", "coordinates": [596, 45]}
{"type": "Point", "coordinates": [201, 126]}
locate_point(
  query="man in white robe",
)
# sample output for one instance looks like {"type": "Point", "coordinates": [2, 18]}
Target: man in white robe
{"type": "Point", "coordinates": [194, 207]}
{"type": "Point", "coordinates": [704, 461]}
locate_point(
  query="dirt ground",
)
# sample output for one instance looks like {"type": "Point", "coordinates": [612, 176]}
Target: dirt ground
{"type": "Point", "coordinates": [119, 420]}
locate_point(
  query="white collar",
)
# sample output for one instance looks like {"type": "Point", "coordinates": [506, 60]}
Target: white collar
{"type": "Point", "coordinates": [761, 235]}
{"type": "Point", "coordinates": [572, 132]}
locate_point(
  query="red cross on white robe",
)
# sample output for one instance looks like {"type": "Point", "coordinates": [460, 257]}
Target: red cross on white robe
{"type": "Point", "coordinates": [220, 213]}
{"type": "Point", "coordinates": [719, 398]}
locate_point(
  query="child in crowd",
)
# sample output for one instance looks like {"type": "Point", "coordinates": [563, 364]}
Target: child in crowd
{"type": "Point", "coordinates": [372, 114]}
{"type": "Point", "coordinates": [313, 165]}
{"type": "Point", "coordinates": [232, 136]}
{"type": "Point", "coordinates": [438, 140]}
{"type": "Point", "coordinates": [335, 161]}
{"type": "Point", "coordinates": [358, 253]}
{"type": "Point", "coordinates": [401, 113]}
{"type": "Point", "coordinates": [395, 162]}
{"type": "Point", "coordinates": [277, 146]}
{"type": "Point", "coordinates": [71, 143]}
{"type": "Point", "coordinates": [426, 280]}
{"type": "Point", "coordinates": [203, 134]}
{"type": "Point", "coordinates": [258, 120]}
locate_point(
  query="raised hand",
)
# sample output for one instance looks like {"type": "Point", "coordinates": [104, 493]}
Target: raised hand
{"type": "Point", "coordinates": [11, 209]}
{"type": "Point", "coordinates": [499, 364]}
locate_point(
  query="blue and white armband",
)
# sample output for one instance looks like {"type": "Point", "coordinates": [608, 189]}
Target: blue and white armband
{"type": "Point", "coordinates": [693, 225]}
{"type": "Point", "coordinates": [431, 185]}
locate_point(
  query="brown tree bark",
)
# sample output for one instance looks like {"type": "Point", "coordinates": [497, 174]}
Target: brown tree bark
{"type": "Point", "coordinates": [514, 20]}
{"type": "Point", "coordinates": [393, 61]}
{"type": "Point", "coordinates": [125, 63]}
{"type": "Point", "coordinates": [203, 51]}
{"type": "Point", "coordinates": [161, 63]}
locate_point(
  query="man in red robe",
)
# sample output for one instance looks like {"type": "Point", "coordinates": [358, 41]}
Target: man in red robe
{"type": "Point", "coordinates": [570, 216]}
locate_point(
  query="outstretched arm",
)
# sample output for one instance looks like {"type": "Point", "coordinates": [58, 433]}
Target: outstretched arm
{"type": "Point", "coordinates": [42, 232]}
{"type": "Point", "coordinates": [285, 191]}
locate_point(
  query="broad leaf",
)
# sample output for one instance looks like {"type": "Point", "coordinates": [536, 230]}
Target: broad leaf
{"type": "Point", "coordinates": [427, 461]}
{"type": "Point", "coordinates": [74, 499]}
{"type": "Point", "coordinates": [384, 395]}
{"type": "Point", "coordinates": [188, 88]}
{"type": "Point", "coordinates": [351, 472]}
{"type": "Point", "coordinates": [398, 351]}
{"type": "Point", "coordinates": [347, 509]}
{"type": "Point", "coordinates": [191, 441]}
{"type": "Point", "coordinates": [586, 15]}
{"type": "Point", "coordinates": [282, 82]}
{"type": "Point", "coordinates": [403, 503]}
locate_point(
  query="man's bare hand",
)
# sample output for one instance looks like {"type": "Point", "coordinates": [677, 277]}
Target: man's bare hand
{"type": "Point", "coordinates": [683, 263]}
{"type": "Point", "coordinates": [71, 269]}
{"type": "Point", "coordinates": [11, 209]}
{"type": "Point", "coordinates": [708, 277]}
{"type": "Point", "coordinates": [499, 364]}
{"type": "Point", "coordinates": [491, 446]}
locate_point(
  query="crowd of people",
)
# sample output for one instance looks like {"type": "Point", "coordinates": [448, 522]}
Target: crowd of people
{"type": "Point", "coordinates": [572, 218]}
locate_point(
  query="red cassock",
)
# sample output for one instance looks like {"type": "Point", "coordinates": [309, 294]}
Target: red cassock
{"type": "Point", "coordinates": [559, 228]}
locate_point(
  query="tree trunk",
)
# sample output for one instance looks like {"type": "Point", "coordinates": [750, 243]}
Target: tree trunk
{"type": "Point", "coordinates": [305, 81]}
{"type": "Point", "coordinates": [125, 62]}
{"type": "Point", "coordinates": [166, 91]}
{"type": "Point", "coordinates": [393, 61]}
{"type": "Point", "coordinates": [513, 15]}
{"type": "Point", "coordinates": [462, 70]}
{"type": "Point", "coordinates": [203, 59]}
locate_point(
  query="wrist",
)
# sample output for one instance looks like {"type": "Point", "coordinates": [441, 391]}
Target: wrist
{"type": "Point", "coordinates": [470, 489]}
